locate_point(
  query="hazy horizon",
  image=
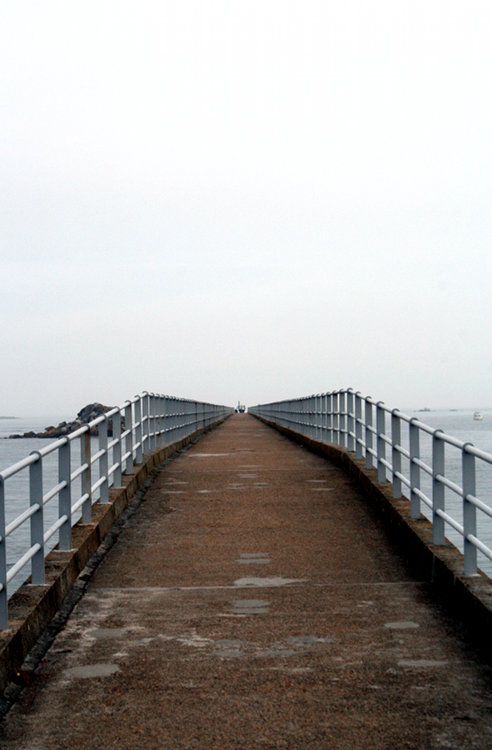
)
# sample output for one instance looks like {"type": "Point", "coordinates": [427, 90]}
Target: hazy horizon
{"type": "Point", "coordinates": [258, 201]}
{"type": "Point", "coordinates": [57, 416]}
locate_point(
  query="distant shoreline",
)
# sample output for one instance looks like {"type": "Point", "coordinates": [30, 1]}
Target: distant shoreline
{"type": "Point", "coordinates": [9, 417]}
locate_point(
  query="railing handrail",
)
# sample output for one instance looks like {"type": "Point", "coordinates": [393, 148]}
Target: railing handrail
{"type": "Point", "coordinates": [357, 423]}
{"type": "Point", "coordinates": [150, 420]}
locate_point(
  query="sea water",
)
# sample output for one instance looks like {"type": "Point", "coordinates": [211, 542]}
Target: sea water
{"type": "Point", "coordinates": [458, 423]}
{"type": "Point", "coordinates": [16, 487]}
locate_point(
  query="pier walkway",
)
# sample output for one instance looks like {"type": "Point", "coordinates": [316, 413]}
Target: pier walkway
{"type": "Point", "coordinates": [253, 601]}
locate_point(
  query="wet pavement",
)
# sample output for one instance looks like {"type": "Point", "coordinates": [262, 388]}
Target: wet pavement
{"type": "Point", "coordinates": [253, 601]}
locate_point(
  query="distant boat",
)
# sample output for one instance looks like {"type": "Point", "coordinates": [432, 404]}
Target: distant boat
{"type": "Point", "coordinates": [477, 416]}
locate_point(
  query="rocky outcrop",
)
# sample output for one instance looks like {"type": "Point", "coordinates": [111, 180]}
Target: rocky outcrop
{"type": "Point", "coordinates": [86, 414]}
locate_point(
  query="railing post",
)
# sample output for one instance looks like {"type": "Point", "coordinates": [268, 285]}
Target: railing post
{"type": "Point", "coordinates": [350, 420]}
{"type": "Point", "coordinates": [152, 438]}
{"type": "Point", "coordinates": [145, 423]}
{"type": "Point", "coordinates": [138, 431]}
{"type": "Point", "coordinates": [414, 449]}
{"type": "Point", "coordinates": [37, 519]}
{"type": "Point", "coordinates": [336, 418]}
{"type": "Point", "coordinates": [162, 417]}
{"type": "Point", "coordinates": [342, 419]}
{"type": "Point", "coordinates": [380, 443]}
{"type": "Point", "coordinates": [116, 422]}
{"type": "Point", "coordinates": [65, 495]}
{"type": "Point", "coordinates": [4, 613]}
{"type": "Point", "coordinates": [329, 418]}
{"type": "Point", "coordinates": [157, 419]}
{"type": "Point", "coordinates": [358, 426]}
{"type": "Point", "coordinates": [86, 479]}
{"type": "Point", "coordinates": [395, 451]}
{"type": "Point", "coordinates": [369, 433]}
{"type": "Point", "coordinates": [438, 536]}
{"type": "Point", "coordinates": [167, 419]}
{"type": "Point", "coordinates": [129, 438]}
{"type": "Point", "coordinates": [469, 511]}
{"type": "Point", "coordinates": [102, 429]}
{"type": "Point", "coordinates": [324, 418]}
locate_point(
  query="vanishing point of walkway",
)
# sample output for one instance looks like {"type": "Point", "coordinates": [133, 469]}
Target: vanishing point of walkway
{"type": "Point", "coordinates": [252, 601]}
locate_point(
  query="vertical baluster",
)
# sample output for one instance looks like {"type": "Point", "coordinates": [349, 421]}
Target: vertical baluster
{"type": "Point", "coordinates": [117, 449]}
{"type": "Point", "coordinates": [437, 487]}
{"type": "Point", "coordinates": [395, 451]}
{"type": "Point", "coordinates": [37, 519]}
{"type": "Point", "coordinates": [129, 437]}
{"type": "Point", "coordinates": [414, 445]}
{"type": "Point", "coordinates": [103, 460]}
{"type": "Point", "coordinates": [336, 418]}
{"type": "Point", "coordinates": [181, 423]}
{"type": "Point", "coordinates": [170, 412]}
{"type": "Point", "coordinates": [329, 418]}
{"type": "Point", "coordinates": [86, 479]}
{"type": "Point", "coordinates": [4, 617]}
{"type": "Point", "coordinates": [160, 420]}
{"type": "Point", "coordinates": [358, 426]}
{"type": "Point", "coordinates": [167, 417]}
{"type": "Point", "coordinates": [144, 407]}
{"type": "Point", "coordinates": [138, 431]}
{"type": "Point", "coordinates": [369, 433]}
{"type": "Point", "coordinates": [350, 420]}
{"type": "Point", "coordinates": [324, 418]}
{"type": "Point", "coordinates": [469, 511]}
{"type": "Point", "coordinates": [65, 495]}
{"type": "Point", "coordinates": [153, 421]}
{"type": "Point", "coordinates": [342, 419]}
{"type": "Point", "coordinates": [380, 443]}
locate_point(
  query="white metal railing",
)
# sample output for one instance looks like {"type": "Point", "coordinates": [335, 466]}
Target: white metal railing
{"type": "Point", "coordinates": [143, 424]}
{"type": "Point", "coordinates": [390, 440]}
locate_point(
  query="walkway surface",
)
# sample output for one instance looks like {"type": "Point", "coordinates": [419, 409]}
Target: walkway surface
{"type": "Point", "coordinates": [252, 601]}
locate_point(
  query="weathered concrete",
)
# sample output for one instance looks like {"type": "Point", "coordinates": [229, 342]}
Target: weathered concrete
{"type": "Point", "coordinates": [469, 597]}
{"type": "Point", "coordinates": [253, 601]}
{"type": "Point", "coordinates": [32, 607]}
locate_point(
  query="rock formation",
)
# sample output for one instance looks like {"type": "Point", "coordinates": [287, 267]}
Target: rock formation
{"type": "Point", "coordinates": [86, 414]}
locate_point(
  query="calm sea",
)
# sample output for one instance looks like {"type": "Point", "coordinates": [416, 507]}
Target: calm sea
{"type": "Point", "coordinates": [17, 487]}
{"type": "Point", "coordinates": [458, 423]}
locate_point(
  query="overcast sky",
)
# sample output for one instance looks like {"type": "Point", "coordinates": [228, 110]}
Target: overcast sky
{"type": "Point", "coordinates": [256, 200]}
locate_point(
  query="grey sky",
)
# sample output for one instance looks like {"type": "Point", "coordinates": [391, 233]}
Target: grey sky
{"type": "Point", "coordinates": [250, 200]}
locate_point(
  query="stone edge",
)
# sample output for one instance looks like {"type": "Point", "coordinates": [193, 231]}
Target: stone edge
{"type": "Point", "coordinates": [31, 608]}
{"type": "Point", "coordinates": [468, 597]}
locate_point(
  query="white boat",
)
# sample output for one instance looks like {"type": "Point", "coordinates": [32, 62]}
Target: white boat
{"type": "Point", "coordinates": [477, 416]}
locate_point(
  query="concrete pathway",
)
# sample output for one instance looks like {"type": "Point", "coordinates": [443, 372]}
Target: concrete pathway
{"type": "Point", "coordinates": [253, 602]}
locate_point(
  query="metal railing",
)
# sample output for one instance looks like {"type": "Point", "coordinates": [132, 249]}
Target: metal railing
{"type": "Point", "coordinates": [143, 424]}
{"type": "Point", "coordinates": [391, 442]}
